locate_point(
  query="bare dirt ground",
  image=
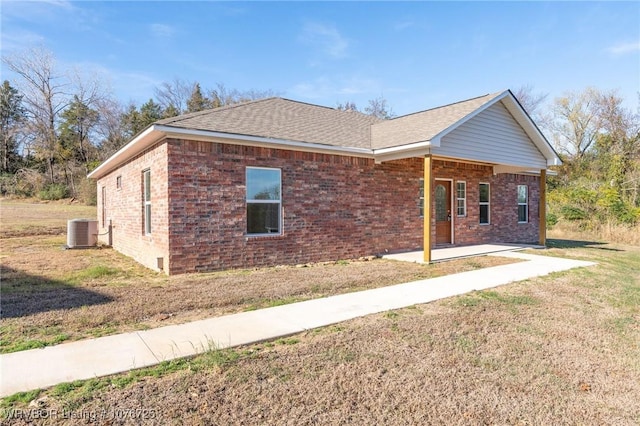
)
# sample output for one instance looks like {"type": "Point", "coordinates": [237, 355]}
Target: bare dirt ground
{"type": "Point", "coordinates": [51, 295]}
{"type": "Point", "coordinates": [557, 350]}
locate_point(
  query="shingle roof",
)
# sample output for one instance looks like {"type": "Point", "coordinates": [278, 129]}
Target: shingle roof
{"type": "Point", "coordinates": [424, 125]}
{"type": "Point", "coordinates": [285, 119]}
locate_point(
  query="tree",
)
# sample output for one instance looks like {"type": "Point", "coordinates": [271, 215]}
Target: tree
{"type": "Point", "coordinates": [577, 122]}
{"type": "Point", "coordinates": [12, 115]}
{"type": "Point", "coordinates": [221, 96]}
{"type": "Point", "coordinates": [44, 99]}
{"type": "Point", "coordinates": [530, 101]}
{"type": "Point", "coordinates": [379, 108]}
{"type": "Point", "coordinates": [134, 121]}
{"type": "Point", "coordinates": [109, 128]}
{"type": "Point", "coordinates": [78, 121]}
{"type": "Point", "coordinates": [174, 95]}
{"type": "Point", "coordinates": [347, 106]}
{"type": "Point", "coordinates": [197, 102]}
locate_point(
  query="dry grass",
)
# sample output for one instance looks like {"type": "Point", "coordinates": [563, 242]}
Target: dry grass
{"type": "Point", "coordinates": [20, 218]}
{"type": "Point", "coordinates": [562, 349]}
{"type": "Point", "coordinates": [51, 295]}
{"type": "Point", "coordinates": [621, 234]}
{"type": "Point", "coordinates": [556, 350]}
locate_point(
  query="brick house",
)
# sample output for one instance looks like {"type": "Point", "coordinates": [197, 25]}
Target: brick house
{"type": "Point", "coordinates": [276, 181]}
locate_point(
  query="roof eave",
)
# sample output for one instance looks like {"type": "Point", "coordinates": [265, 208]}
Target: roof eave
{"type": "Point", "coordinates": [157, 132]}
{"type": "Point", "coordinates": [240, 139]}
{"type": "Point", "coordinates": [142, 141]}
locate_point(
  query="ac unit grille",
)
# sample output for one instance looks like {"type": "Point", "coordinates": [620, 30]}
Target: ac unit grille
{"type": "Point", "coordinates": [82, 233]}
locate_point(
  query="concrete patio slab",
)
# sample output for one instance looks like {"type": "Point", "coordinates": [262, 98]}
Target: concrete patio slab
{"type": "Point", "coordinates": [448, 253]}
{"type": "Point", "coordinates": [40, 368]}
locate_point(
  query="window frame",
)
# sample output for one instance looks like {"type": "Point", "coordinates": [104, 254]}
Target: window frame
{"type": "Point", "coordinates": [119, 182]}
{"type": "Point", "coordinates": [104, 205]}
{"type": "Point", "coordinates": [258, 201]}
{"type": "Point", "coordinates": [525, 203]}
{"type": "Point", "coordinates": [146, 201]}
{"type": "Point", "coordinates": [484, 203]}
{"type": "Point", "coordinates": [463, 199]}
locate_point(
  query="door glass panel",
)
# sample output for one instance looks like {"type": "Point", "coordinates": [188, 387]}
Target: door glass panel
{"type": "Point", "coordinates": [441, 203]}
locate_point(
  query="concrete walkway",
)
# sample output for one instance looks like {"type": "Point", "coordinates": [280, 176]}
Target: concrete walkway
{"type": "Point", "coordinates": [85, 359]}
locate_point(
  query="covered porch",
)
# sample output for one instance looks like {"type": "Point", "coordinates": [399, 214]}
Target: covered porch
{"type": "Point", "coordinates": [484, 173]}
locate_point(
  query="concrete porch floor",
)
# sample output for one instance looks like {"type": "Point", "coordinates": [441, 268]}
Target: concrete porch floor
{"type": "Point", "coordinates": [449, 253]}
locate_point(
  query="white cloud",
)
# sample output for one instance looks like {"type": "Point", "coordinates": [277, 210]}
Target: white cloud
{"type": "Point", "coordinates": [17, 40]}
{"type": "Point", "coordinates": [162, 30]}
{"type": "Point", "coordinates": [403, 25]}
{"type": "Point", "coordinates": [342, 88]}
{"type": "Point", "coordinates": [624, 48]}
{"type": "Point", "coordinates": [327, 38]}
{"type": "Point", "coordinates": [36, 11]}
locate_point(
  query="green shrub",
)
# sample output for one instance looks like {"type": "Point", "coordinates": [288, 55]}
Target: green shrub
{"type": "Point", "coordinates": [54, 191]}
{"type": "Point", "coordinates": [573, 213]}
{"type": "Point", "coordinates": [87, 192]}
{"type": "Point", "coordinates": [552, 220]}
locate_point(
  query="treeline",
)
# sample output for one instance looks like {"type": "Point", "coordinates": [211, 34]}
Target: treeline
{"type": "Point", "coordinates": [598, 140]}
{"type": "Point", "coordinates": [57, 125]}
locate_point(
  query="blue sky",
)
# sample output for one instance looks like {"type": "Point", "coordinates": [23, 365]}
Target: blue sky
{"type": "Point", "coordinates": [415, 54]}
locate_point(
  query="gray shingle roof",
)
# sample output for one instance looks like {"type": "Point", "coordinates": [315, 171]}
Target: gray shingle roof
{"type": "Point", "coordinates": [424, 125]}
{"type": "Point", "coordinates": [280, 118]}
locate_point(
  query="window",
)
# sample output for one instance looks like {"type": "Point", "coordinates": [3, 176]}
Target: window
{"type": "Point", "coordinates": [461, 198]}
{"type": "Point", "coordinates": [104, 206]}
{"type": "Point", "coordinates": [146, 195]}
{"type": "Point", "coordinates": [421, 198]}
{"type": "Point", "coordinates": [523, 204]}
{"type": "Point", "coordinates": [485, 196]}
{"type": "Point", "coordinates": [119, 182]}
{"type": "Point", "coordinates": [263, 201]}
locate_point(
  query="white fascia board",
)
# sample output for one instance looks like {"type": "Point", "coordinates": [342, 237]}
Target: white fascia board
{"type": "Point", "coordinates": [138, 144]}
{"type": "Point", "coordinates": [403, 148]}
{"type": "Point", "coordinates": [554, 162]}
{"type": "Point", "coordinates": [418, 149]}
{"type": "Point", "coordinates": [156, 132]}
{"type": "Point", "coordinates": [469, 116]}
{"type": "Point", "coordinates": [532, 130]}
{"type": "Point", "coordinates": [238, 139]}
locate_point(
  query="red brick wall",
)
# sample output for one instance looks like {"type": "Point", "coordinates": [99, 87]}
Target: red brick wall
{"type": "Point", "coordinates": [504, 226]}
{"type": "Point", "coordinates": [334, 207]}
{"type": "Point", "coordinates": [125, 208]}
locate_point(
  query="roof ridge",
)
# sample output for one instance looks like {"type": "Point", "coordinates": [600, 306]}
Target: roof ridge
{"type": "Point", "coordinates": [181, 117]}
{"type": "Point", "coordinates": [492, 95]}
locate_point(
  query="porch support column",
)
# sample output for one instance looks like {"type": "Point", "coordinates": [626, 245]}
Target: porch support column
{"type": "Point", "coordinates": [542, 209]}
{"type": "Point", "coordinates": [426, 208]}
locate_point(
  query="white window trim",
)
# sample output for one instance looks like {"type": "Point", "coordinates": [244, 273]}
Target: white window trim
{"type": "Point", "coordinates": [526, 204]}
{"type": "Point", "coordinates": [463, 199]}
{"type": "Point", "coordinates": [279, 202]}
{"type": "Point", "coordinates": [483, 203]}
{"type": "Point", "coordinates": [104, 206]}
{"type": "Point", "coordinates": [147, 203]}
